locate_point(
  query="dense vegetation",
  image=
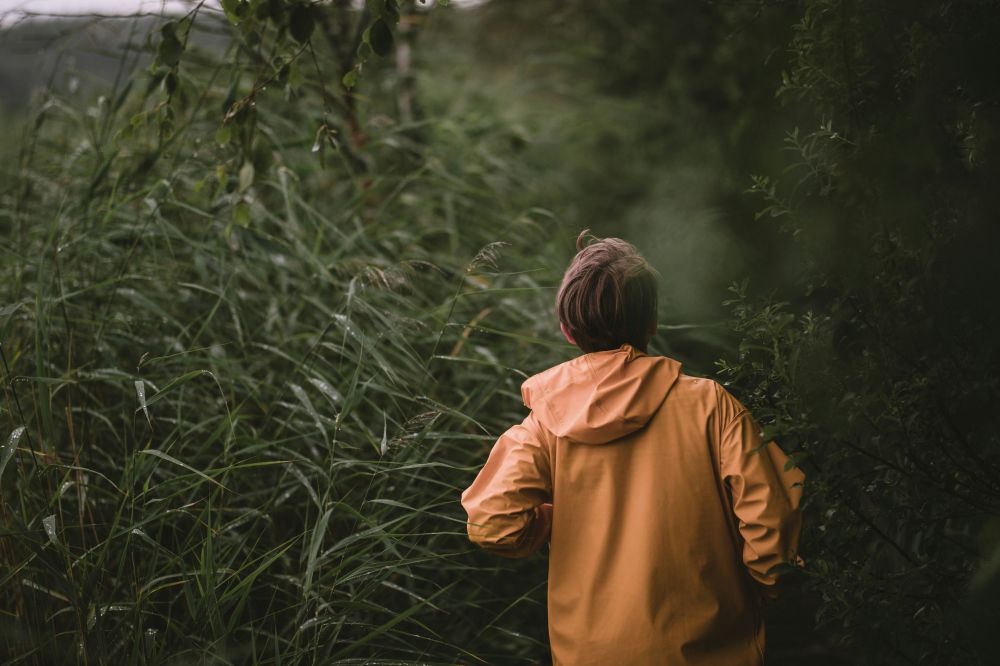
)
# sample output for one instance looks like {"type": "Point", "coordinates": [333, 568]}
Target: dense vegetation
{"type": "Point", "coordinates": [268, 300]}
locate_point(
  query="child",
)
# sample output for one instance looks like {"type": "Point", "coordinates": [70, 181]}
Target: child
{"type": "Point", "coordinates": [665, 510]}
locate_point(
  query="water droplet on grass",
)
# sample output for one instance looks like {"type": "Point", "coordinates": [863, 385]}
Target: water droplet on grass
{"type": "Point", "coordinates": [49, 523]}
{"type": "Point", "coordinates": [10, 447]}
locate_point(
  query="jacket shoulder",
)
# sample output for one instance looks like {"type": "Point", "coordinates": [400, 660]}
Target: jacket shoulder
{"type": "Point", "coordinates": [536, 384]}
{"type": "Point", "coordinates": [703, 388]}
{"type": "Point", "coordinates": [710, 395]}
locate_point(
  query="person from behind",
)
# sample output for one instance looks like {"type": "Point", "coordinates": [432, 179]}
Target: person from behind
{"type": "Point", "coordinates": [666, 513]}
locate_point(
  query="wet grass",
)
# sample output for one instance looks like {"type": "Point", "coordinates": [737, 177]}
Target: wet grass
{"type": "Point", "coordinates": [240, 405]}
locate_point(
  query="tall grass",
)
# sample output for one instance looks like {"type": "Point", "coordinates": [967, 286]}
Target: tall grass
{"type": "Point", "coordinates": [244, 387]}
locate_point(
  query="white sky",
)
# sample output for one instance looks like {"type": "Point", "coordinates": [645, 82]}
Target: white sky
{"type": "Point", "coordinates": [91, 6]}
{"type": "Point", "coordinates": [17, 8]}
{"type": "Point", "coordinates": [12, 11]}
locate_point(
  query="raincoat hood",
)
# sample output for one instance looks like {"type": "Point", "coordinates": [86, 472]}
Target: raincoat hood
{"type": "Point", "coordinates": [599, 397]}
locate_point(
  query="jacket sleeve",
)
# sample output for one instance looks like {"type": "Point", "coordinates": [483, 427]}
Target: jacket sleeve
{"type": "Point", "coordinates": [765, 496]}
{"type": "Point", "coordinates": [504, 503]}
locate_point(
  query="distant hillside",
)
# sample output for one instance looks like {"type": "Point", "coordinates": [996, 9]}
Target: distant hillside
{"type": "Point", "coordinates": [73, 55]}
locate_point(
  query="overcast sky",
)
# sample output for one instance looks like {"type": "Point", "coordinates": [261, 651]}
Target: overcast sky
{"type": "Point", "coordinates": [90, 6]}
{"type": "Point", "coordinates": [12, 11]}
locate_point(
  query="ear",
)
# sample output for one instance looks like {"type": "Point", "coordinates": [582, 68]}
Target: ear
{"type": "Point", "coordinates": [565, 332]}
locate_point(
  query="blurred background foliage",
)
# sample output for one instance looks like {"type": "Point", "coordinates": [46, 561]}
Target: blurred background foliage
{"type": "Point", "coordinates": [276, 269]}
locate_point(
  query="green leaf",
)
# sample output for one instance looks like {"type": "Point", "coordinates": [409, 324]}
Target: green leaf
{"type": "Point", "coordinates": [224, 135]}
{"type": "Point", "coordinates": [295, 76]}
{"type": "Point", "coordinates": [317, 541]}
{"type": "Point", "coordinates": [155, 77]}
{"type": "Point", "coordinates": [310, 408]}
{"type": "Point", "coordinates": [380, 38]}
{"type": "Point", "coordinates": [251, 38]}
{"type": "Point", "coordinates": [170, 82]}
{"type": "Point", "coordinates": [350, 79]}
{"type": "Point", "coordinates": [140, 393]}
{"type": "Point", "coordinates": [391, 15]}
{"type": "Point", "coordinates": [301, 23]}
{"type": "Point", "coordinates": [231, 8]}
{"type": "Point", "coordinates": [175, 382]}
{"type": "Point", "coordinates": [246, 176]}
{"type": "Point", "coordinates": [170, 48]}
{"type": "Point", "coordinates": [396, 619]}
{"type": "Point", "coordinates": [384, 444]}
{"type": "Point", "coordinates": [171, 459]}
{"type": "Point", "coordinates": [241, 214]}
{"type": "Point", "coordinates": [8, 450]}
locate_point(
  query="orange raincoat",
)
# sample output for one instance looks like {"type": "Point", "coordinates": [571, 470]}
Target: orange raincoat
{"type": "Point", "coordinates": [668, 511]}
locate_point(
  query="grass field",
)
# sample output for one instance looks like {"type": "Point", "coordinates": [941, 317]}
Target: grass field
{"type": "Point", "coordinates": [243, 388]}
